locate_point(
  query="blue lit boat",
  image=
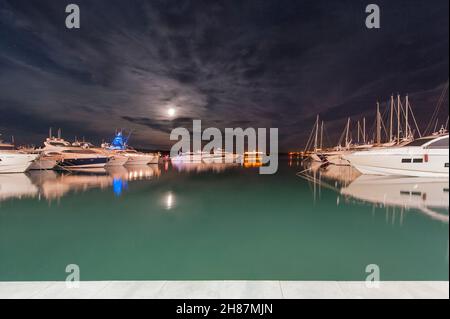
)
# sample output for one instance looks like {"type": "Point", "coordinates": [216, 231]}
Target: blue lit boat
{"type": "Point", "coordinates": [119, 145]}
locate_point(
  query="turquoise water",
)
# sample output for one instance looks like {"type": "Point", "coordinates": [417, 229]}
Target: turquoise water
{"type": "Point", "coordinates": [217, 222]}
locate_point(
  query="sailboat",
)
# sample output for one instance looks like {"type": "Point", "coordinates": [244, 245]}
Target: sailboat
{"type": "Point", "coordinates": [426, 157]}
{"type": "Point", "coordinates": [404, 113]}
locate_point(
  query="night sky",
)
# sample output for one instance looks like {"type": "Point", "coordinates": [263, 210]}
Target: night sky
{"type": "Point", "coordinates": [256, 63]}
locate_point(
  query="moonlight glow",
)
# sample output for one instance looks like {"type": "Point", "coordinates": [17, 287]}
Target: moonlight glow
{"type": "Point", "coordinates": [171, 112]}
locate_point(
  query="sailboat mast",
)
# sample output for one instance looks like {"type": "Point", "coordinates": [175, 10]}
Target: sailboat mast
{"type": "Point", "coordinates": [321, 136]}
{"type": "Point", "coordinates": [391, 120]}
{"type": "Point", "coordinates": [317, 134]}
{"type": "Point", "coordinates": [378, 124]}
{"type": "Point", "coordinates": [406, 117]}
{"type": "Point", "coordinates": [347, 133]}
{"type": "Point", "coordinates": [398, 118]}
{"type": "Point", "coordinates": [364, 130]}
{"type": "Point", "coordinates": [359, 129]}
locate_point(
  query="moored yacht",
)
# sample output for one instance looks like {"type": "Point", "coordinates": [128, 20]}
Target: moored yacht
{"type": "Point", "coordinates": [427, 156]}
{"type": "Point", "coordinates": [120, 146]}
{"type": "Point", "coordinates": [221, 156]}
{"type": "Point", "coordinates": [115, 158]}
{"type": "Point", "coordinates": [43, 162]}
{"type": "Point", "coordinates": [192, 157]}
{"type": "Point", "coordinates": [72, 157]}
{"type": "Point", "coordinates": [14, 161]}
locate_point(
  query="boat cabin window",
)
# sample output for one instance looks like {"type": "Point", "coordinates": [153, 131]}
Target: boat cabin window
{"type": "Point", "coordinates": [6, 147]}
{"type": "Point", "coordinates": [420, 141]}
{"type": "Point", "coordinates": [441, 144]}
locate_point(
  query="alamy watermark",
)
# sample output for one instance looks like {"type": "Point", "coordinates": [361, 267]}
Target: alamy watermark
{"type": "Point", "coordinates": [373, 279]}
{"type": "Point", "coordinates": [73, 279]}
{"type": "Point", "coordinates": [255, 139]}
{"type": "Point", "coordinates": [373, 20]}
{"type": "Point", "coordinates": [73, 17]}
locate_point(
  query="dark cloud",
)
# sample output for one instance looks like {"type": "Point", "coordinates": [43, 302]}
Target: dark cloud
{"type": "Point", "coordinates": [256, 63]}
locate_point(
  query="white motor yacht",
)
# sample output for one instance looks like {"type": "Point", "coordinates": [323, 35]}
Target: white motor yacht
{"type": "Point", "coordinates": [221, 156]}
{"type": "Point", "coordinates": [191, 157]}
{"type": "Point", "coordinates": [427, 157]}
{"type": "Point", "coordinates": [14, 161]}
{"type": "Point", "coordinates": [138, 158]}
{"type": "Point", "coordinates": [43, 162]}
{"type": "Point", "coordinates": [72, 157]}
{"type": "Point", "coordinates": [120, 146]}
{"type": "Point", "coordinates": [115, 159]}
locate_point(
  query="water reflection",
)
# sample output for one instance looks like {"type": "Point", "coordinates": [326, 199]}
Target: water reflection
{"type": "Point", "coordinates": [16, 186]}
{"type": "Point", "coordinates": [53, 185]}
{"type": "Point", "coordinates": [428, 195]}
{"type": "Point", "coordinates": [169, 200]}
{"type": "Point", "coordinates": [399, 194]}
{"type": "Point", "coordinates": [202, 167]}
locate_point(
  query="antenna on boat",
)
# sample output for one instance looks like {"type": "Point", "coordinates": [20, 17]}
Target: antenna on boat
{"type": "Point", "coordinates": [59, 133]}
{"type": "Point", "coordinates": [50, 132]}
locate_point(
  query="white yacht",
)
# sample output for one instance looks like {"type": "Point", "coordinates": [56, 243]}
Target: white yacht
{"type": "Point", "coordinates": [427, 157]}
{"type": "Point", "coordinates": [189, 157]}
{"type": "Point", "coordinates": [120, 146]}
{"type": "Point", "coordinates": [72, 157]}
{"type": "Point", "coordinates": [43, 162]}
{"type": "Point", "coordinates": [115, 159]}
{"type": "Point", "coordinates": [221, 156]}
{"type": "Point", "coordinates": [138, 158]}
{"type": "Point", "coordinates": [14, 161]}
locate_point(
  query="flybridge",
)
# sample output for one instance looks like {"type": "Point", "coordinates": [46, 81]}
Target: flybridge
{"type": "Point", "coordinates": [119, 142]}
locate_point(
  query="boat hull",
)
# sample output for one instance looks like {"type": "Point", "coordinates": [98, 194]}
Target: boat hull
{"type": "Point", "coordinates": [82, 163]}
{"type": "Point", "coordinates": [142, 159]}
{"type": "Point", "coordinates": [117, 160]}
{"type": "Point", "coordinates": [16, 162]}
{"type": "Point", "coordinates": [43, 164]}
{"type": "Point", "coordinates": [194, 158]}
{"type": "Point", "coordinates": [426, 165]}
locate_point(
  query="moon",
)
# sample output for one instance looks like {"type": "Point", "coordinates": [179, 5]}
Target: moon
{"type": "Point", "coordinates": [171, 112]}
